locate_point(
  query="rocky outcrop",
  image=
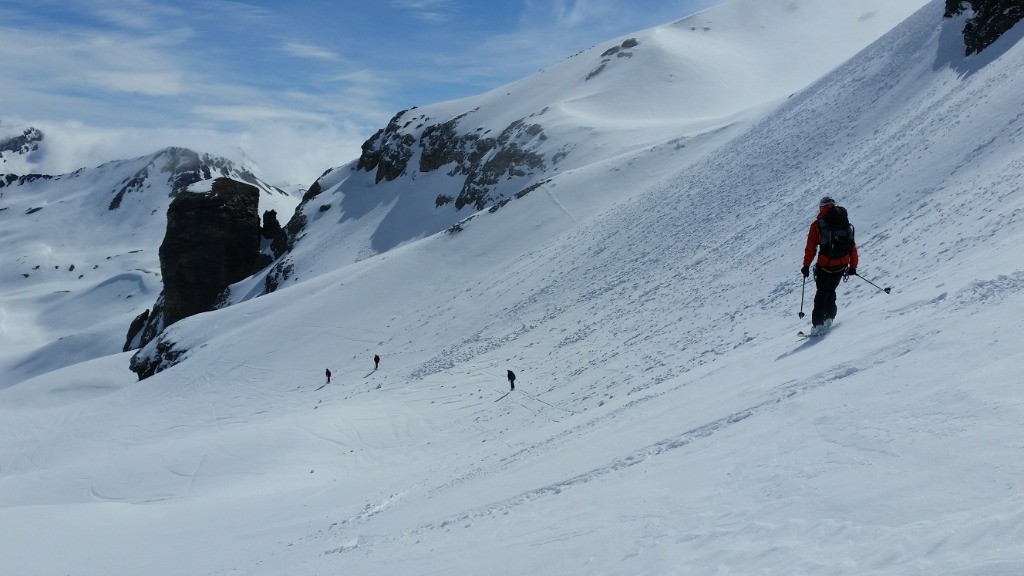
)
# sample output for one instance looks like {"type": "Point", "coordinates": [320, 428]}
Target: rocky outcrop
{"type": "Point", "coordinates": [623, 50]}
{"type": "Point", "coordinates": [161, 355]}
{"type": "Point", "coordinates": [14, 179]}
{"type": "Point", "coordinates": [991, 19]}
{"type": "Point", "coordinates": [388, 151]}
{"type": "Point", "coordinates": [212, 241]}
{"type": "Point", "coordinates": [480, 160]}
{"type": "Point", "coordinates": [133, 340]}
{"type": "Point", "coordinates": [24, 143]}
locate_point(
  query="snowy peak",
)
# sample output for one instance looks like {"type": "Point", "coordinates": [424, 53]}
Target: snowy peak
{"type": "Point", "coordinates": [16, 147]}
{"type": "Point", "coordinates": [179, 168]}
{"type": "Point", "coordinates": [92, 236]}
{"type": "Point", "coordinates": [688, 85]}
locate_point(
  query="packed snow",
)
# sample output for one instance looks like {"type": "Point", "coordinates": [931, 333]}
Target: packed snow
{"type": "Point", "coordinates": [666, 418]}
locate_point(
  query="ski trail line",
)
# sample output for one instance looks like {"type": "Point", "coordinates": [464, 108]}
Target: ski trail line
{"type": "Point", "coordinates": [638, 456]}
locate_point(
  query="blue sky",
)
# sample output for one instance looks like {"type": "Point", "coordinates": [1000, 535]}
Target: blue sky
{"type": "Point", "coordinates": [265, 77]}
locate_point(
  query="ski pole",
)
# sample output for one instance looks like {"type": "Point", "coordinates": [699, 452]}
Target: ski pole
{"type": "Point", "coordinates": [802, 289]}
{"type": "Point", "coordinates": [886, 289]}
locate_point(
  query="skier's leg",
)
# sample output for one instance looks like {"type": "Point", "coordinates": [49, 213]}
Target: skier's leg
{"type": "Point", "coordinates": [820, 298]}
{"type": "Point", "coordinates": [833, 284]}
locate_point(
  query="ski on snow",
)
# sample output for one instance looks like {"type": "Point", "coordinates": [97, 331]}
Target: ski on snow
{"type": "Point", "coordinates": [808, 335]}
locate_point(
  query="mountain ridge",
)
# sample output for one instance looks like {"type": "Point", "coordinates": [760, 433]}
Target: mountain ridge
{"type": "Point", "coordinates": [55, 225]}
{"type": "Point", "coordinates": [666, 420]}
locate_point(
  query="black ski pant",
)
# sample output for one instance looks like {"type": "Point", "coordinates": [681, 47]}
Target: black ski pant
{"type": "Point", "coordinates": [825, 284]}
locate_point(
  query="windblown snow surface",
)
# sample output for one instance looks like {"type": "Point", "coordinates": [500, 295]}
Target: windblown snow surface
{"type": "Point", "coordinates": [666, 419]}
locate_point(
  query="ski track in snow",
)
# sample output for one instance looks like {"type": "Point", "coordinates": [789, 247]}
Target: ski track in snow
{"type": "Point", "coordinates": [786, 392]}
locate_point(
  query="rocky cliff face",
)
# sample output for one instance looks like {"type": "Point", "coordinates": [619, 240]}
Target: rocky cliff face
{"type": "Point", "coordinates": [212, 241]}
{"type": "Point", "coordinates": [24, 143]}
{"type": "Point", "coordinates": [475, 157]}
{"type": "Point", "coordinates": [991, 19]}
{"type": "Point", "coordinates": [482, 168]}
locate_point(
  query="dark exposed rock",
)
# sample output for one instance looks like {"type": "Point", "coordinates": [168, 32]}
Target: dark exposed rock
{"type": "Point", "coordinates": [155, 358]}
{"type": "Point", "coordinates": [24, 143]}
{"type": "Point", "coordinates": [212, 241]}
{"type": "Point", "coordinates": [483, 161]}
{"type": "Point", "coordinates": [476, 162]}
{"type": "Point", "coordinates": [620, 51]}
{"type": "Point", "coordinates": [442, 144]}
{"type": "Point", "coordinates": [314, 190]}
{"type": "Point", "coordinates": [135, 330]}
{"type": "Point", "coordinates": [281, 272]}
{"type": "Point", "coordinates": [14, 179]}
{"type": "Point", "coordinates": [600, 68]}
{"type": "Point", "coordinates": [271, 227]}
{"type": "Point", "coordinates": [511, 158]}
{"type": "Point", "coordinates": [273, 231]}
{"type": "Point", "coordinates": [388, 151]}
{"type": "Point", "coordinates": [991, 19]}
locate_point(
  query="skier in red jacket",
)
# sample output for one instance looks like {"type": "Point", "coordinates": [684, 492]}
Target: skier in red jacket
{"type": "Point", "coordinates": [831, 238]}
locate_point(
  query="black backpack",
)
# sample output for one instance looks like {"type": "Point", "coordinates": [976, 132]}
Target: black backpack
{"type": "Point", "coordinates": [836, 233]}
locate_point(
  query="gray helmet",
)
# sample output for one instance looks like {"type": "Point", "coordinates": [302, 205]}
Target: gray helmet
{"type": "Point", "coordinates": [826, 201]}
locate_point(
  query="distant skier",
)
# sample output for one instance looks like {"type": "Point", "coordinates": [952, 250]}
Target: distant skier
{"type": "Point", "coordinates": [376, 361]}
{"type": "Point", "coordinates": [831, 238]}
{"type": "Point", "coordinates": [511, 380]}
{"type": "Point", "coordinates": [328, 375]}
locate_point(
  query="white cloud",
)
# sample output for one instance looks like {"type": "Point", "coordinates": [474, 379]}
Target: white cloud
{"type": "Point", "coordinates": [135, 14]}
{"type": "Point", "coordinates": [431, 11]}
{"type": "Point", "coordinates": [137, 82]}
{"type": "Point", "coordinates": [255, 113]}
{"type": "Point", "coordinates": [310, 51]}
{"type": "Point", "coordinates": [278, 150]}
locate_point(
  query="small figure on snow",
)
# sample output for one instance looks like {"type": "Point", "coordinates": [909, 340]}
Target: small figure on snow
{"type": "Point", "coordinates": [376, 361]}
{"type": "Point", "coordinates": [831, 238]}
{"type": "Point", "coordinates": [511, 380]}
{"type": "Point", "coordinates": [328, 375]}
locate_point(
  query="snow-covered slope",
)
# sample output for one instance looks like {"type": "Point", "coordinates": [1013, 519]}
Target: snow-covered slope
{"type": "Point", "coordinates": [687, 87]}
{"type": "Point", "coordinates": [665, 421]}
{"type": "Point", "coordinates": [80, 254]}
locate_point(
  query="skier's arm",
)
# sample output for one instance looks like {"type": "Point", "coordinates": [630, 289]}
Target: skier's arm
{"type": "Point", "coordinates": [813, 239]}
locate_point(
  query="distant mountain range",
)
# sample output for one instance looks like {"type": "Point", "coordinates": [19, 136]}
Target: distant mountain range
{"type": "Point", "coordinates": [93, 231]}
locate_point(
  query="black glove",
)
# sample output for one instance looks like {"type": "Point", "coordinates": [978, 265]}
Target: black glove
{"type": "Point", "coordinates": [851, 271]}
{"type": "Point", "coordinates": [806, 271]}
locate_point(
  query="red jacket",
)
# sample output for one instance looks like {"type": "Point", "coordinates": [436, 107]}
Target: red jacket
{"type": "Point", "coordinates": [814, 240]}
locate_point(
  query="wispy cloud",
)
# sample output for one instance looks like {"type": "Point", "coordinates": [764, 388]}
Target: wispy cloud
{"type": "Point", "coordinates": [134, 14]}
{"type": "Point", "coordinates": [251, 114]}
{"type": "Point", "coordinates": [136, 82]}
{"type": "Point", "coordinates": [82, 60]}
{"type": "Point", "coordinates": [431, 11]}
{"type": "Point", "coordinates": [300, 50]}
{"type": "Point", "coordinates": [220, 75]}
